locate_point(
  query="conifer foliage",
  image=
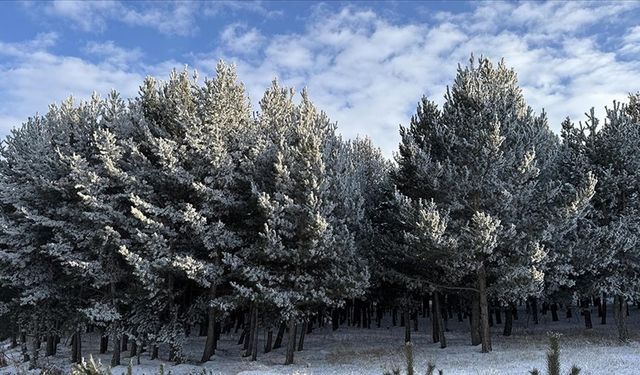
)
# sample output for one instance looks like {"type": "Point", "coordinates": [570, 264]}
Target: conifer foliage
{"type": "Point", "coordinates": [181, 212]}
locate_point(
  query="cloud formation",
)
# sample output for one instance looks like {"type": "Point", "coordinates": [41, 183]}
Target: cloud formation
{"type": "Point", "coordinates": [369, 72]}
{"type": "Point", "coordinates": [366, 68]}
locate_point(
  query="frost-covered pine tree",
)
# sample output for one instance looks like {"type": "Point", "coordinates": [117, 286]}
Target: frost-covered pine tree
{"type": "Point", "coordinates": [306, 254]}
{"type": "Point", "coordinates": [607, 261]}
{"type": "Point", "coordinates": [480, 158]}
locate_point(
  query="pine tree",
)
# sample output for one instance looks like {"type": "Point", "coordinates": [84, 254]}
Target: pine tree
{"type": "Point", "coordinates": [480, 158]}
{"type": "Point", "coordinates": [305, 257]}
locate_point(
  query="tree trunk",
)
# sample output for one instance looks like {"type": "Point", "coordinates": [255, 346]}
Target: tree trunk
{"type": "Point", "coordinates": [498, 312]}
{"type": "Point", "coordinates": [534, 309]}
{"type": "Point", "coordinates": [508, 321]}
{"type": "Point", "coordinates": [437, 316]}
{"type": "Point", "coordinates": [302, 334]}
{"type": "Point", "coordinates": [51, 345]}
{"type": "Point", "coordinates": [134, 349]}
{"type": "Point", "coordinates": [407, 325]}
{"type": "Point", "coordinates": [154, 352]}
{"type": "Point", "coordinates": [554, 312]}
{"type": "Point", "coordinates": [476, 336]}
{"type": "Point", "coordinates": [484, 310]}
{"type": "Point", "coordinates": [268, 345]}
{"type": "Point", "coordinates": [620, 315]}
{"type": "Point", "coordinates": [76, 347]}
{"type": "Point", "coordinates": [291, 343]}
{"type": "Point", "coordinates": [586, 312]}
{"type": "Point", "coordinates": [435, 307]}
{"type": "Point", "coordinates": [125, 343]}
{"type": "Point", "coordinates": [254, 328]}
{"type": "Point", "coordinates": [104, 343]}
{"type": "Point", "coordinates": [209, 346]}
{"type": "Point", "coordinates": [603, 307]}
{"type": "Point", "coordinates": [115, 357]}
{"type": "Point", "coordinates": [278, 343]}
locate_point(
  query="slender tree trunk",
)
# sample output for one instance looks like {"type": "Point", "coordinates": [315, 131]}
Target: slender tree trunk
{"type": "Point", "coordinates": [104, 343]}
{"type": "Point", "coordinates": [302, 334]}
{"type": "Point", "coordinates": [554, 312]}
{"type": "Point", "coordinates": [154, 352]}
{"type": "Point", "coordinates": [498, 312]}
{"type": "Point", "coordinates": [508, 320]}
{"type": "Point", "coordinates": [407, 325]}
{"type": "Point", "coordinates": [125, 343]}
{"type": "Point", "coordinates": [435, 307]}
{"type": "Point", "coordinates": [35, 351]}
{"type": "Point", "coordinates": [115, 357]}
{"type": "Point", "coordinates": [603, 307]}
{"type": "Point", "coordinates": [291, 342]}
{"type": "Point", "coordinates": [268, 345]}
{"type": "Point", "coordinates": [254, 342]}
{"type": "Point", "coordinates": [437, 316]}
{"type": "Point", "coordinates": [134, 349]}
{"type": "Point", "coordinates": [211, 324]}
{"type": "Point", "coordinates": [586, 312]}
{"type": "Point", "coordinates": [484, 310]}
{"type": "Point", "coordinates": [278, 343]}
{"type": "Point", "coordinates": [76, 347]}
{"type": "Point", "coordinates": [476, 336]}
{"type": "Point", "coordinates": [534, 309]}
{"type": "Point", "coordinates": [620, 315]}
{"type": "Point", "coordinates": [51, 345]}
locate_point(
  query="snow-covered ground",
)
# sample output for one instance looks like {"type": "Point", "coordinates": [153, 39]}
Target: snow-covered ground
{"type": "Point", "coordinates": [372, 351]}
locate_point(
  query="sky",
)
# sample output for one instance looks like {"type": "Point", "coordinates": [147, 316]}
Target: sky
{"type": "Point", "coordinates": [366, 64]}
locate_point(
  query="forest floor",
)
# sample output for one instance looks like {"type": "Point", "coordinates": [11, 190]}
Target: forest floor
{"type": "Point", "coordinates": [376, 350]}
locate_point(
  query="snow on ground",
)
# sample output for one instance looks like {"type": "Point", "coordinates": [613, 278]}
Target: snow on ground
{"type": "Point", "coordinates": [372, 351]}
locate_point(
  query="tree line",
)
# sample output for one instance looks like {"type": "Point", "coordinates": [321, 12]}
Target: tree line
{"type": "Point", "coordinates": [184, 212]}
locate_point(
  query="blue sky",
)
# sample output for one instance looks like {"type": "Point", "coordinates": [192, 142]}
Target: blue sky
{"type": "Point", "coordinates": [365, 63]}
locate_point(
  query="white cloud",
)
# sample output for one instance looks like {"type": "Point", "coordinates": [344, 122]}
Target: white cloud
{"type": "Point", "coordinates": [113, 54]}
{"type": "Point", "coordinates": [170, 18]}
{"type": "Point", "coordinates": [240, 39]}
{"type": "Point", "coordinates": [368, 72]}
{"type": "Point", "coordinates": [33, 78]}
{"type": "Point", "coordinates": [86, 15]}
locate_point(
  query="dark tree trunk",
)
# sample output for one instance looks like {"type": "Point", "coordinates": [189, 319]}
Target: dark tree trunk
{"type": "Point", "coordinates": [603, 308]}
{"type": "Point", "coordinates": [134, 349]}
{"type": "Point", "coordinates": [254, 334]}
{"type": "Point", "coordinates": [154, 352]}
{"type": "Point", "coordinates": [435, 321]}
{"type": "Point", "coordinates": [125, 343]}
{"type": "Point", "coordinates": [104, 343]}
{"type": "Point", "coordinates": [76, 347]}
{"type": "Point", "coordinates": [407, 325]}
{"type": "Point", "coordinates": [484, 310]}
{"type": "Point", "coordinates": [303, 331]}
{"type": "Point", "coordinates": [508, 321]}
{"type": "Point", "coordinates": [554, 312]}
{"type": "Point", "coordinates": [394, 316]}
{"type": "Point", "coordinates": [115, 357]}
{"type": "Point", "coordinates": [51, 345]}
{"type": "Point", "coordinates": [586, 312]}
{"type": "Point", "coordinates": [498, 313]}
{"type": "Point", "coordinates": [335, 319]}
{"type": "Point", "coordinates": [534, 310]}
{"type": "Point", "coordinates": [209, 346]}
{"type": "Point", "coordinates": [278, 343]}
{"type": "Point", "coordinates": [291, 342]}
{"type": "Point", "coordinates": [269, 344]}
{"type": "Point", "coordinates": [476, 336]}
{"type": "Point", "coordinates": [569, 312]}
{"type": "Point", "coordinates": [437, 316]}
{"type": "Point", "coordinates": [14, 340]}
{"type": "Point", "coordinates": [620, 315]}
